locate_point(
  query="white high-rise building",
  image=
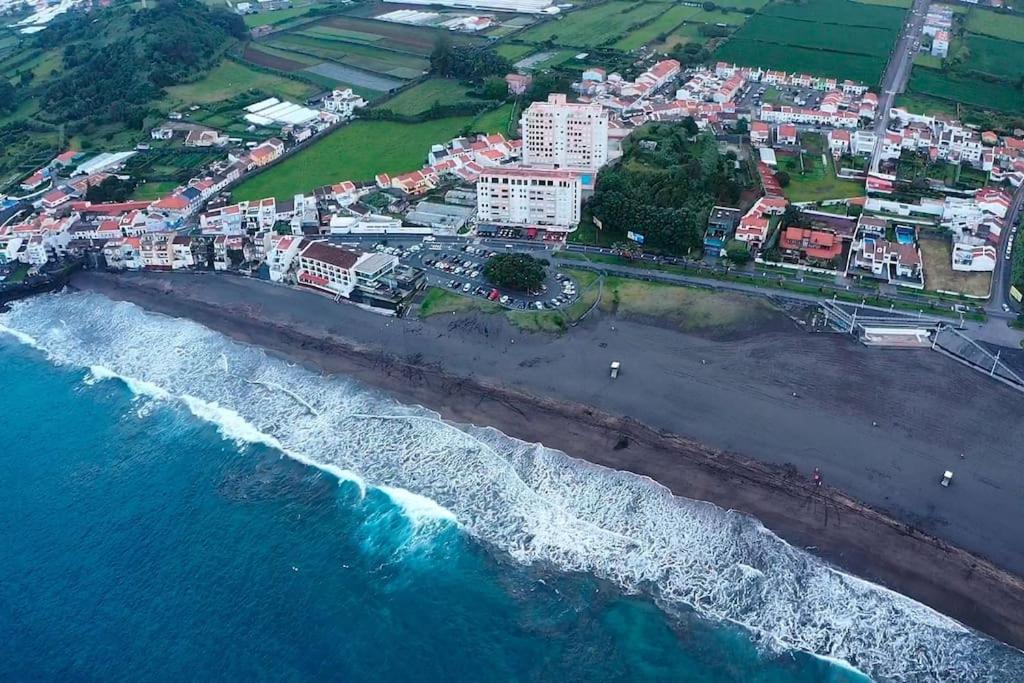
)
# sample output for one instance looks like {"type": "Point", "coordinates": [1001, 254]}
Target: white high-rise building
{"type": "Point", "coordinates": [559, 134]}
{"type": "Point", "coordinates": [529, 197]}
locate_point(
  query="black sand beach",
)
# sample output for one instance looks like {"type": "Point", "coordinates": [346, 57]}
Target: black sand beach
{"type": "Point", "coordinates": [712, 419]}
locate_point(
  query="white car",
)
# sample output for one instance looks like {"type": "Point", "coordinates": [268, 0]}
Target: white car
{"type": "Point", "coordinates": [466, 287]}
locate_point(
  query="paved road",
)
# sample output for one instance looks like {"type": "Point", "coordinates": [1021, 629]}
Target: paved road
{"type": "Point", "coordinates": [897, 72]}
{"type": "Point", "coordinates": [1001, 276]}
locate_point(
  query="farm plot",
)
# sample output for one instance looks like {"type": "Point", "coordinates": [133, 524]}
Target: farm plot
{"type": "Point", "coordinates": [719, 16]}
{"type": "Point", "coordinates": [973, 91]}
{"type": "Point", "coordinates": [839, 12]}
{"type": "Point", "coordinates": [399, 37]}
{"type": "Point", "coordinates": [358, 152]}
{"type": "Point", "coordinates": [664, 24]}
{"type": "Point", "coordinates": [384, 62]}
{"type": "Point", "coordinates": [682, 35]}
{"type": "Point", "coordinates": [280, 60]}
{"type": "Point", "coordinates": [852, 39]}
{"type": "Point", "coordinates": [595, 26]}
{"type": "Point", "coordinates": [861, 68]}
{"type": "Point", "coordinates": [1000, 58]}
{"type": "Point", "coordinates": [827, 37]}
{"type": "Point", "coordinates": [995, 24]}
{"type": "Point", "coordinates": [230, 79]}
{"type": "Point", "coordinates": [422, 96]}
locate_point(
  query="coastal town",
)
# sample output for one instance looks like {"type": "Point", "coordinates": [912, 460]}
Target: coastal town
{"type": "Point", "coordinates": [721, 303]}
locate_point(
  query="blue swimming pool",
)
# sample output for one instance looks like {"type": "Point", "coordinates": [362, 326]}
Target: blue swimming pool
{"type": "Point", "coordinates": [904, 234]}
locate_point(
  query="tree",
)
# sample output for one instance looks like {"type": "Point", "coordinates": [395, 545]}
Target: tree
{"type": "Point", "coordinates": [520, 272]}
{"type": "Point", "coordinates": [110, 189]}
{"type": "Point", "coordinates": [737, 252]}
{"type": "Point", "coordinates": [8, 96]}
{"type": "Point", "coordinates": [741, 127]}
{"type": "Point", "coordinates": [690, 126]}
{"type": "Point", "coordinates": [783, 178]}
{"type": "Point", "coordinates": [441, 55]}
{"type": "Point", "coordinates": [495, 89]}
{"type": "Point", "coordinates": [709, 6]}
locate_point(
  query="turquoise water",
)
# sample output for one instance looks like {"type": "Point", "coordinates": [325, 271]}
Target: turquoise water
{"type": "Point", "coordinates": [152, 528]}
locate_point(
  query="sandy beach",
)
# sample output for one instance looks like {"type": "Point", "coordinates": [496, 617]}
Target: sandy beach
{"type": "Point", "coordinates": [711, 418]}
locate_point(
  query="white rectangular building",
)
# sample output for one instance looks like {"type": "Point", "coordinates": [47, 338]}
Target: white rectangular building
{"type": "Point", "coordinates": [529, 197]}
{"type": "Point", "coordinates": [560, 134]}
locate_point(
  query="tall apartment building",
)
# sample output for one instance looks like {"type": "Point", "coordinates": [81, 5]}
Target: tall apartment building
{"type": "Point", "coordinates": [559, 134]}
{"type": "Point", "coordinates": [529, 197]}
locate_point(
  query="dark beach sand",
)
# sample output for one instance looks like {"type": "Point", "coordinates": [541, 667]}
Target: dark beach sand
{"type": "Point", "coordinates": [727, 430]}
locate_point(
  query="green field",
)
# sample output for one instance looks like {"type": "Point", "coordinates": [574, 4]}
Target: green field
{"type": "Point", "coordinates": [687, 33]}
{"type": "Point", "coordinates": [719, 17]}
{"type": "Point", "coordinates": [274, 17]}
{"type": "Point", "coordinates": [515, 52]}
{"type": "Point", "coordinates": [839, 12]}
{"type": "Point", "coordinates": [230, 79]}
{"type": "Point", "coordinates": [996, 24]}
{"type": "Point", "coordinates": [973, 91]}
{"type": "Point", "coordinates": [814, 181]}
{"type": "Point", "coordinates": [153, 190]}
{"type": "Point", "coordinates": [743, 4]}
{"type": "Point", "coordinates": [837, 38]}
{"type": "Point", "coordinates": [852, 39]}
{"type": "Point", "coordinates": [672, 18]}
{"type": "Point", "coordinates": [904, 4]}
{"type": "Point", "coordinates": [422, 96]}
{"type": "Point", "coordinates": [594, 26]}
{"type": "Point", "coordinates": [358, 152]}
{"type": "Point", "coordinates": [1003, 59]}
{"type": "Point", "coordinates": [504, 120]}
{"type": "Point", "coordinates": [789, 58]}
{"type": "Point", "coordinates": [374, 59]}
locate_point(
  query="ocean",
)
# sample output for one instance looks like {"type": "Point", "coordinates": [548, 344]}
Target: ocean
{"type": "Point", "coordinates": [176, 505]}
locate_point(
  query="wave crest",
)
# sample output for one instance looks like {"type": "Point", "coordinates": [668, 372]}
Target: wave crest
{"type": "Point", "coordinates": [533, 503]}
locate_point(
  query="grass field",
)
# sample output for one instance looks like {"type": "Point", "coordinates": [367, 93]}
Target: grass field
{"type": "Point", "coordinates": [996, 24]}
{"type": "Point", "coordinates": [836, 38]}
{"type": "Point", "coordinates": [719, 17]}
{"type": "Point", "coordinates": [687, 33]}
{"type": "Point", "coordinates": [230, 79]}
{"type": "Point", "coordinates": [1001, 58]}
{"type": "Point", "coordinates": [594, 26]}
{"type": "Point", "coordinates": [940, 276]}
{"type": "Point", "coordinates": [417, 40]}
{"type": "Point", "coordinates": [861, 68]}
{"type": "Point", "coordinates": [504, 120]}
{"type": "Point", "coordinates": [439, 301]}
{"type": "Point", "coordinates": [971, 91]}
{"type": "Point", "coordinates": [382, 61]}
{"type": "Point", "coordinates": [670, 19]}
{"type": "Point", "coordinates": [153, 190]}
{"type": "Point", "coordinates": [422, 96]}
{"type": "Point", "coordinates": [923, 104]}
{"type": "Point", "coordinates": [513, 52]}
{"type": "Point", "coordinates": [274, 17]}
{"type": "Point", "coordinates": [358, 152]}
{"type": "Point", "coordinates": [817, 181]}
{"type": "Point", "coordinates": [903, 4]}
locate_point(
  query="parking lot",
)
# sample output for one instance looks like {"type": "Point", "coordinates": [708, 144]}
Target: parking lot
{"type": "Point", "coordinates": [753, 96]}
{"type": "Point", "coordinates": [456, 264]}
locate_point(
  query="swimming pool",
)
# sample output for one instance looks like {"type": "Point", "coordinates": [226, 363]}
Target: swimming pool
{"type": "Point", "coordinates": [904, 234]}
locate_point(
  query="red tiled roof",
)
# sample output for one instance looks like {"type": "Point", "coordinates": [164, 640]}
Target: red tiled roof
{"type": "Point", "coordinates": [336, 256]}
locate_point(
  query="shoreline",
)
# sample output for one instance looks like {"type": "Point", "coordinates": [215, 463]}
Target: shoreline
{"type": "Point", "coordinates": [837, 527]}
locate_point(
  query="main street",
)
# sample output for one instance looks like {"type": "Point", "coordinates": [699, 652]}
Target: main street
{"type": "Point", "coordinates": [897, 72]}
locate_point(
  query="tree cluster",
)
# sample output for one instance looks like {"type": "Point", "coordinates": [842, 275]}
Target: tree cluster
{"type": "Point", "coordinates": [466, 62]}
{"type": "Point", "coordinates": [117, 62]}
{"type": "Point", "coordinates": [110, 189]}
{"type": "Point", "coordinates": [667, 192]}
{"type": "Point", "coordinates": [519, 272]}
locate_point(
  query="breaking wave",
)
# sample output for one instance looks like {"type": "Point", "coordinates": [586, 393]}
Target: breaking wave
{"type": "Point", "coordinates": [533, 503]}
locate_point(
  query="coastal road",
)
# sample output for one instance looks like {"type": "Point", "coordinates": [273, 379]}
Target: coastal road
{"type": "Point", "coordinates": [897, 72]}
{"type": "Point", "coordinates": [1003, 271]}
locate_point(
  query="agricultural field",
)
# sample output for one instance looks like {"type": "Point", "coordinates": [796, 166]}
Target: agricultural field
{"type": "Point", "coordinates": [995, 24]}
{"type": "Point", "coordinates": [664, 24]}
{"type": "Point", "coordinates": [1000, 58]}
{"type": "Point", "coordinates": [971, 91]}
{"type": "Point", "coordinates": [835, 38]}
{"type": "Point", "coordinates": [230, 79]}
{"type": "Point", "coordinates": [594, 26]}
{"type": "Point", "coordinates": [422, 96]}
{"type": "Point", "coordinates": [985, 66]}
{"type": "Point", "coordinates": [358, 152]}
{"type": "Point", "coordinates": [513, 52]}
{"type": "Point", "coordinates": [718, 16]}
{"type": "Point", "coordinates": [683, 35]}
{"type": "Point", "coordinates": [275, 17]}
{"type": "Point", "coordinates": [153, 190]}
{"type": "Point", "coordinates": [904, 4]}
{"type": "Point", "coordinates": [369, 56]}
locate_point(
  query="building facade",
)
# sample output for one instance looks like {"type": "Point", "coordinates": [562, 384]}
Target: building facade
{"type": "Point", "coordinates": [529, 197]}
{"type": "Point", "coordinates": [559, 134]}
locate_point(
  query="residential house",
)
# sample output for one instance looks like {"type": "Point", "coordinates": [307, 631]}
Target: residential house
{"type": "Point", "coordinates": [722, 224]}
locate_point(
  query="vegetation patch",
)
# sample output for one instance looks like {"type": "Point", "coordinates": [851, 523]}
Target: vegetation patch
{"type": "Point", "coordinates": [936, 257]}
{"type": "Point", "coordinates": [438, 301]}
{"type": "Point", "coordinates": [967, 90]}
{"type": "Point", "coordinates": [358, 152]}
{"type": "Point", "coordinates": [231, 79]}
{"type": "Point", "coordinates": [663, 24]}
{"type": "Point", "coordinates": [996, 24]}
{"type": "Point", "coordinates": [594, 26]}
{"type": "Point", "coordinates": [422, 96]}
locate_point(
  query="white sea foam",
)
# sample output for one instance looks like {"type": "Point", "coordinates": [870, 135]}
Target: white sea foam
{"type": "Point", "coordinates": [533, 503]}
